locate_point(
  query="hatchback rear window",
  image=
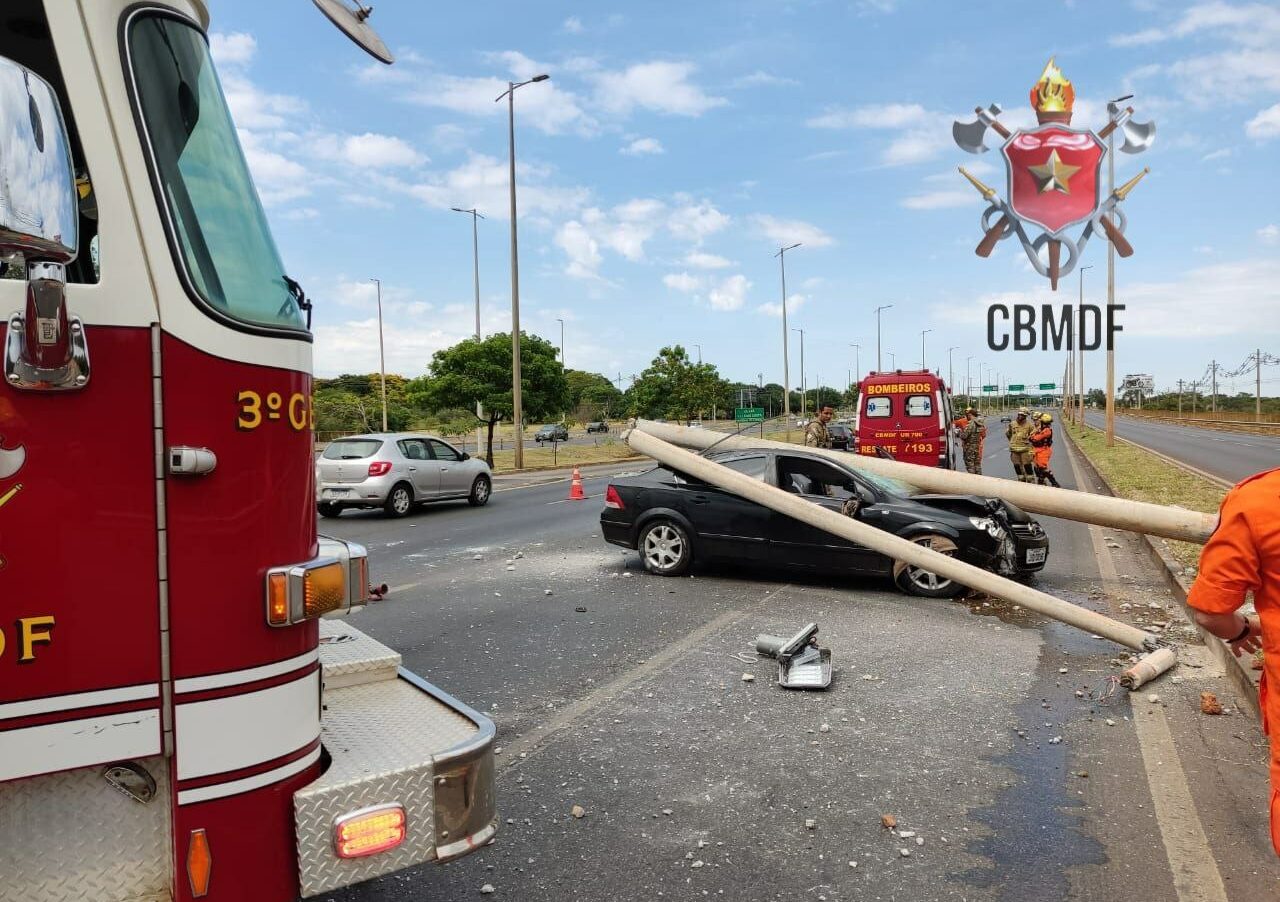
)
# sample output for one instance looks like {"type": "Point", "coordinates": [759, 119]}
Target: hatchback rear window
{"type": "Point", "coordinates": [352, 449]}
{"type": "Point", "coordinates": [919, 406]}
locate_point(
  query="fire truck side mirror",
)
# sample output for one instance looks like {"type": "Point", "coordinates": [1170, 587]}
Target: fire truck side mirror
{"type": "Point", "coordinates": [45, 348]}
{"type": "Point", "coordinates": [39, 215]}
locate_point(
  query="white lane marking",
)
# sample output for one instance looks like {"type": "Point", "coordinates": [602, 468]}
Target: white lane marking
{"type": "Point", "coordinates": [565, 500]}
{"type": "Point", "coordinates": [1191, 863]}
{"type": "Point", "coordinates": [532, 742]}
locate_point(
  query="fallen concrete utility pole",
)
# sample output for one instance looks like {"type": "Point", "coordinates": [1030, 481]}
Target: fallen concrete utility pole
{"type": "Point", "coordinates": [886, 543]}
{"type": "Point", "coordinates": [1085, 507]}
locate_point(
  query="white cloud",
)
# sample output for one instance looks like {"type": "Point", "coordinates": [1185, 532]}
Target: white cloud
{"type": "Point", "coordinates": [941, 200]}
{"type": "Point", "coordinates": [1265, 125]}
{"type": "Point", "coordinates": [883, 115]}
{"type": "Point", "coordinates": [695, 221]}
{"type": "Point", "coordinates": [660, 86]}
{"type": "Point", "coordinates": [682, 281]}
{"type": "Point", "coordinates": [773, 308]}
{"type": "Point", "coordinates": [1269, 234]}
{"type": "Point", "coordinates": [482, 182]}
{"type": "Point", "coordinates": [1249, 24]}
{"type": "Point", "coordinates": [232, 49]}
{"type": "Point", "coordinates": [730, 294]}
{"type": "Point", "coordinates": [789, 231]}
{"type": "Point", "coordinates": [1186, 307]}
{"type": "Point", "coordinates": [278, 178]}
{"type": "Point", "coordinates": [545, 106]}
{"type": "Point", "coordinates": [699, 260]}
{"type": "Point", "coordinates": [762, 79]}
{"type": "Point", "coordinates": [1217, 154]}
{"type": "Point", "coordinates": [253, 108]}
{"type": "Point", "coordinates": [572, 25]}
{"type": "Point", "coordinates": [627, 227]}
{"type": "Point", "coordinates": [375, 150]}
{"type": "Point", "coordinates": [643, 146]}
{"type": "Point", "coordinates": [583, 250]}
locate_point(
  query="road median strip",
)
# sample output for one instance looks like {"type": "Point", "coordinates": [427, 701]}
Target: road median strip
{"type": "Point", "coordinates": [1127, 470]}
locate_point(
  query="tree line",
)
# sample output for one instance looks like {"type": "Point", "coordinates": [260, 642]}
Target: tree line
{"type": "Point", "coordinates": [444, 398]}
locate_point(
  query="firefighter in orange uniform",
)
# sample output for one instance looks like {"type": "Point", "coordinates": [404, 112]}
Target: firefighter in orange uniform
{"type": "Point", "coordinates": [1243, 555]}
{"type": "Point", "coordinates": [1042, 450]}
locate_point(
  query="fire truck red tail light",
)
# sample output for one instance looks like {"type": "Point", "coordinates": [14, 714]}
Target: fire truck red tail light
{"type": "Point", "coordinates": [379, 467]}
{"type": "Point", "coordinates": [613, 499]}
{"type": "Point", "coordinates": [369, 831]}
{"type": "Point", "coordinates": [199, 863]}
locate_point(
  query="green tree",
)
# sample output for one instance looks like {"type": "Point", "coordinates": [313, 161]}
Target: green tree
{"type": "Point", "coordinates": [674, 386]}
{"type": "Point", "coordinates": [481, 370]}
{"type": "Point", "coordinates": [592, 395]}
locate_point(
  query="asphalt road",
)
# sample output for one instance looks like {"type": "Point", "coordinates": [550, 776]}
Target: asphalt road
{"type": "Point", "coordinates": [1228, 455]}
{"type": "Point", "coordinates": [977, 726]}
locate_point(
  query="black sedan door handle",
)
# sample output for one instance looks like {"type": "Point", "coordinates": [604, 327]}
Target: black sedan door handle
{"type": "Point", "coordinates": [700, 499]}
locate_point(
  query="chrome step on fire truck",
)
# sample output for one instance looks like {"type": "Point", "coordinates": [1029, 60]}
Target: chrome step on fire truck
{"type": "Point", "coordinates": [180, 717]}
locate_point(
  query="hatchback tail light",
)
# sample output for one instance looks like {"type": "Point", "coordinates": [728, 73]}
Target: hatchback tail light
{"type": "Point", "coordinates": [613, 499]}
{"type": "Point", "coordinates": [379, 468]}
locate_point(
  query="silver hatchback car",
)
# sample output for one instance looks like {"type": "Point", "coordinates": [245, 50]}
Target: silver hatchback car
{"type": "Point", "coordinates": [395, 471]}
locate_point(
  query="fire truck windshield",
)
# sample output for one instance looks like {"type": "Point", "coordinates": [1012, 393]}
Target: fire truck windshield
{"type": "Point", "coordinates": [217, 228]}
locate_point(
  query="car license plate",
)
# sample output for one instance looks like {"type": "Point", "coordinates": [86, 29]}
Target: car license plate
{"type": "Point", "coordinates": [334, 493]}
{"type": "Point", "coordinates": [1037, 555]}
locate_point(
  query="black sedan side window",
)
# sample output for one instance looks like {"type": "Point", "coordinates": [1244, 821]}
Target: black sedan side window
{"type": "Point", "coordinates": [749, 466]}
{"type": "Point", "coordinates": [811, 477]}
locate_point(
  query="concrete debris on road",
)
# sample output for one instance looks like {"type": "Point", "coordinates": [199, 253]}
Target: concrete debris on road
{"type": "Point", "coordinates": [1209, 703]}
{"type": "Point", "coordinates": [578, 811]}
{"type": "Point", "coordinates": [888, 821]}
{"type": "Point", "coordinates": [748, 678]}
{"type": "Point", "coordinates": [810, 824]}
{"type": "Point", "coordinates": [487, 889]}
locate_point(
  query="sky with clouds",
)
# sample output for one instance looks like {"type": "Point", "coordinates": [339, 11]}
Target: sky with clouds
{"type": "Point", "coordinates": [677, 146]}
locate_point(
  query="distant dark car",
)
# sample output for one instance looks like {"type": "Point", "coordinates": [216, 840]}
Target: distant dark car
{"type": "Point", "coordinates": [673, 519]}
{"type": "Point", "coordinates": [1006, 419]}
{"type": "Point", "coordinates": [841, 436]}
{"type": "Point", "coordinates": [597, 426]}
{"type": "Point", "coordinates": [552, 432]}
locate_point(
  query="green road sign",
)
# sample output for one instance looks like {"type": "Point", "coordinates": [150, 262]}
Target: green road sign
{"type": "Point", "coordinates": [1017, 387]}
{"type": "Point", "coordinates": [1047, 386]}
{"type": "Point", "coordinates": [749, 414]}
{"type": "Point", "coordinates": [989, 388]}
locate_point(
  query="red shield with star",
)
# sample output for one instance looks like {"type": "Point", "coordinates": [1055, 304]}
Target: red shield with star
{"type": "Point", "coordinates": [1053, 175]}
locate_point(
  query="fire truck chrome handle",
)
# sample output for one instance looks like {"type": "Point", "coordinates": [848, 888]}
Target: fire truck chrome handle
{"type": "Point", "coordinates": [45, 349]}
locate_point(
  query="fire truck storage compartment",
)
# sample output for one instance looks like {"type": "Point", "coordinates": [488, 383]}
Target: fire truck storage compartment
{"type": "Point", "coordinates": [392, 738]}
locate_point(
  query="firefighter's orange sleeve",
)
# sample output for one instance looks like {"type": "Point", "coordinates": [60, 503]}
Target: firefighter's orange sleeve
{"type": "Point", "coordinates": [1229, 565]}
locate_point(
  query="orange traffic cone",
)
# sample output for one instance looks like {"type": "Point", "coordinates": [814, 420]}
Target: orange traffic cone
{"type": "Point", "coordinates": [575, 487]}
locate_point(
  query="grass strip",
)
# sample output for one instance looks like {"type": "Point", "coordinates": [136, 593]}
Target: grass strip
{"type": "Point", "coordinates": [565, 456]}
{"type": "Point", "coordinates": [1140, 476]}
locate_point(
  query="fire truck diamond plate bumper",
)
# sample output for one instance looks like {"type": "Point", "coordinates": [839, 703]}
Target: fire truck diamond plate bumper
{"type": "Point", "coordinates": [393, 740]}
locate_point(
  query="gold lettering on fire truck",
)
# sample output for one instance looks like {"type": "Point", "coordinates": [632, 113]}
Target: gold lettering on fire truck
{"type": "Point", "coordinates": [899, 388]}
{"type": "Point", "coordinates": [29, 632]}
{"type": "Point", "coordinates": [254, 410]}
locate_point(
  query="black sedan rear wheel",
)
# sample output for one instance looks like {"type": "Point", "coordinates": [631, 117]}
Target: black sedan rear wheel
{"type": "Point", "coordinates": [665, 548]}
{"type": "Point", "coordinates": [917, 581]}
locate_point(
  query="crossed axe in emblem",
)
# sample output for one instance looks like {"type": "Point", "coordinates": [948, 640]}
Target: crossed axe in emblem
{"type": "Point", "coordinates": [1109, 217]}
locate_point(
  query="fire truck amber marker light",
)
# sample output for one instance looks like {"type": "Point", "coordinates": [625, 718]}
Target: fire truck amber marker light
{"type": "Point", "coordinates": [369, 831]}
{"type": "Point", "coordinates": [324, 589]}
{"type": "Point", "coordinates": [199, 863]}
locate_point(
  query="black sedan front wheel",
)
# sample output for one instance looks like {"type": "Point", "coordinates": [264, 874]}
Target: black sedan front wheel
{"type": "Point", "coordinates": [665, 548]}
{"type": "Point", "coordinates": [917, 581]}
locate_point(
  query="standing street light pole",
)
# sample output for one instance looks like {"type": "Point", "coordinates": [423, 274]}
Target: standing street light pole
{"type": "Point", "coordinates": [951, 384]}
{"type": "Point", "coordinates": [1080, 342]}
{"type": "Point", "coordinates": [475, 279]}
{"type": "Point", "coordinates": [699, 347]}
{"type": "Point", "coordinates": [382, 357]}
{"type": "Point", "coordinates": [517, 407]}
{"type": "Point", "coordinates": [878, 309]}
{"type": "Point", "coordinates": [786, 364]}
{"type": "Point", "coordinates": [923, 333]}
{"type": "Point", "coordinates": [893, 361]}
{"type": "Point", "coordinates": [802, 385]}
{"type": "Point", "coordinates": [968, 383]}
{"type": "Point", "coordinates": [562, 367]}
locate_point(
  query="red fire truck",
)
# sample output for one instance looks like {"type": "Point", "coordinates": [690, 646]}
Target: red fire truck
{"type": "Point", "coordinates": [181, 716]}
{"type": "Point", "coordinates": [906, 414]}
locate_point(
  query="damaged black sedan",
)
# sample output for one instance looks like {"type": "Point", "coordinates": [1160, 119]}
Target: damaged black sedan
{"type": "Point", "coordinates": [673, 519]}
